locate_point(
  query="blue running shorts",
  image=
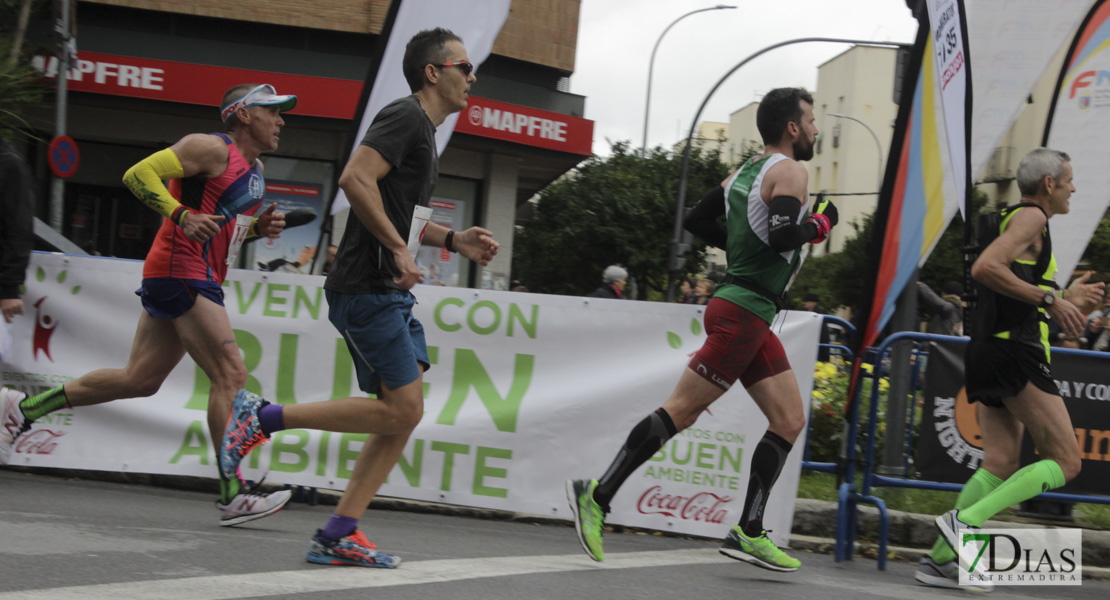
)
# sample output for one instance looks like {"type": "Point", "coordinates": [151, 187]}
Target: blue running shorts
{"type": "Point", "coordinates": [385, 340]}
{"type": "Point", "coordinates": [170, 297]}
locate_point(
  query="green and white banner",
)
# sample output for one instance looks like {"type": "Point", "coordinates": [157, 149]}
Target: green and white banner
{"type": "Point", "coordinates": [525, 391]}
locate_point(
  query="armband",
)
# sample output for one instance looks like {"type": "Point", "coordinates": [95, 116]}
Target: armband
{"type": "Point", "coordinates": [449, 241]}
{"type": "Point", "coordinates": [144, 179]}
{"type": "Point", "coordinates": [178, 215]}
{"type": "Point", "coordinates": [253, 231]}
{"type": "Point", "coordinates": [821, 222]}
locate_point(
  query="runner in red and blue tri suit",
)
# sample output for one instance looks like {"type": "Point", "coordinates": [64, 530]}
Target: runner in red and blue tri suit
{"type": "Point", "coordinates": [215, 189]}
{"type": "Point", "coordinates": [237, 191]}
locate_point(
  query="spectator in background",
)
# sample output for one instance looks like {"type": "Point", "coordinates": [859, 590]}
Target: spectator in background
{"type": "Point", "coordinates": [686, 290]}
{"type": "Point", "coordinates": [704, 291]}
{"type": "Point", "coordinates": [613, 280]}
{"type": "Point", "coordinates": [17, 207]}
{"type": "Point", "coordinates": [947, 310]}
{"type": "Point", "coordinates": [1097, 333]}
{"type": "Point", "coordinates": [329, 259]}
{"type": "Point", "coordinates": [812, 303]}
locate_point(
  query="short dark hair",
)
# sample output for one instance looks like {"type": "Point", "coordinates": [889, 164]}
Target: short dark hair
{"type": "Point", "coordinates": [811, 297]}
{"type": "Point", "coordinates": [429, 47]}
{"type": "Point", "coordinates": [779, 107]}
{"type": "Point", "coordinates": [232, 95]}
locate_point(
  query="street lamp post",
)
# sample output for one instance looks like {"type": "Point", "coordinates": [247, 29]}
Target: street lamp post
{"type": "Point", "coordinates": [878, 146]}
{"type": "Point", "coordinates": [651, 65]}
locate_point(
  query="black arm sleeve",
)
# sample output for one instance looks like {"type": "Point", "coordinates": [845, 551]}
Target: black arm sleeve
{"type": "Point", "coordinates": [702, 219]}
{"type": "Point", "coordinates": [783, 232]}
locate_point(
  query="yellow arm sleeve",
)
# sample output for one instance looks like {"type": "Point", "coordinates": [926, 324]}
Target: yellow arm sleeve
{"type": "Point", "coordinates": [144, 179]}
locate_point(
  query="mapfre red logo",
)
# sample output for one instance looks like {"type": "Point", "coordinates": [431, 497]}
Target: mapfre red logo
{"type": "Point", "coordinates": [706, 507]}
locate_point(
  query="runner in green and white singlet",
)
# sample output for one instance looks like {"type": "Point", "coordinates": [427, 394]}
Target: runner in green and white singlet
{"type": "Point", "coordinates": [749, 254]}
{"type": "Point", "coordinates": [765, 230]}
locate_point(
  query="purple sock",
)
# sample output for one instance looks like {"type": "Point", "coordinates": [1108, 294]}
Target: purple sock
{"type": "Point", "coordinates": [271, 419]}
{"type": "Point", "coordinates": [339, 527]}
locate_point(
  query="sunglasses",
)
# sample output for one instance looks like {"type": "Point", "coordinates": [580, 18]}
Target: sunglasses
{"type": "Point", "coordinates": [466, 66]}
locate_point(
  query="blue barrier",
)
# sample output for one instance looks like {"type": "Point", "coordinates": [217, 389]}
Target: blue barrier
{"type": "Point", "coordinates": [847, 496]}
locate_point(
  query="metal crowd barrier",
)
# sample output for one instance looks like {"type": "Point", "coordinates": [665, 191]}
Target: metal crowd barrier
{"type": "Point", "coordinates": [849, 496]}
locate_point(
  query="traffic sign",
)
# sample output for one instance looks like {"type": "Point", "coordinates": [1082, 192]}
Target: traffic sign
{"type": "Point", "coordinates": [63, 156]}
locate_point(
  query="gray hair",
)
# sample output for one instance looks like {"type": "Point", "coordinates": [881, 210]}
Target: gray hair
{"type": "Point", "coordinates": [1036, 165]}
{"type": "Point", "coordinates": [614, 273]}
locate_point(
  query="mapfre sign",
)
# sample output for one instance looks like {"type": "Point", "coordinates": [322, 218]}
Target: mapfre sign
{"type": "Point", "coordinates": [200, 84]}
{"type": "Point", "coordinates": [316, 96]}
{"type": "Point", "coordinates": [525, 125]}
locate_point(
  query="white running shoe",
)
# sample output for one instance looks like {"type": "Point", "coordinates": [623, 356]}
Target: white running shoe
{"type": "Point", "coordinates": [950, 526]}
{"type": "Point", "coordinates": [946, 575]}
{"type": "Point", "coordinates": [12, 422]}
{"type": "Point", "coordinates": [250, 505]}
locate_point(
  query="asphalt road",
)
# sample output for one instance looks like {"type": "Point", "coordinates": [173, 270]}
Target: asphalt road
{"type": "Point", "coordinates": [66, 538]}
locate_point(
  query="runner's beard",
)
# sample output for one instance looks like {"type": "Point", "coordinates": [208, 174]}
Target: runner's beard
{"type": "Point", "coordinates": [803, 149]}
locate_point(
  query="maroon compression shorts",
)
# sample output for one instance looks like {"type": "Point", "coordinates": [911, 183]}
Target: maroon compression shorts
{"type": "Point", "coordinates": [740, 346]}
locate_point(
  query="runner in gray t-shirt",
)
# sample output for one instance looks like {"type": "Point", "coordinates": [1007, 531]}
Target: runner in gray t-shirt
{"type": "Point", "coordinates": [389, 176]}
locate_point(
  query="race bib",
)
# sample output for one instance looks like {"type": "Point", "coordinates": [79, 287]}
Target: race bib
{"type": "Point", "coordinates": [420, 217]}
{"type": "Point", "coordinates": [242, 227]}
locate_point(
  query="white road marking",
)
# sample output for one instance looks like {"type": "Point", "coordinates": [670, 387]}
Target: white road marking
{"type": "Point", "coordinates": [323, 579]}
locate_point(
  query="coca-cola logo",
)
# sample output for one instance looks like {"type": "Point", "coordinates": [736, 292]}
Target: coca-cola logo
{"type": "Point", "coordinates": [39, 441]}
{"type": "Point", "coordinates": [702, 506]}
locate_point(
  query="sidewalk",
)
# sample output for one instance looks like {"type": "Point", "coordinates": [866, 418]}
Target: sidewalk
{"type": "Point", "coordinates": [910, 536]}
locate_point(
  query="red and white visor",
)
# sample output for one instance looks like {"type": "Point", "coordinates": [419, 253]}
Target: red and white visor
{"type": "Point", "coordinates": [263, 95]}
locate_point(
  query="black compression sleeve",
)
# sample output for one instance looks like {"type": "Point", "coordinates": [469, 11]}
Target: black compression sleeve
{"type": "Point", "coordinates": [783, 232]}
{"type": "Point", "coordinates": [702, 219]}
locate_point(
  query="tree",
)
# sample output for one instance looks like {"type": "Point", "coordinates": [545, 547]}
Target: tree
{"type": "Point", "coordinates": [613, 210]}
{"type": "Point", "coordinates": [838, 280]}
{"type": "Point", "coordinates": [20, 85]}
{"type": "Point", "coordinates": [1097, 254]}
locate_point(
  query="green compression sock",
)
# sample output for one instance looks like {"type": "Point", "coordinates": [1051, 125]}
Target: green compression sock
{"type": "Point", "coordinates": [982, 482]}
{"type": "Point", "coordinates": [229, 488]}
{"type": "Point", "coordinates": [45, 403]}
{"type": "Point", "coordinates": [1038, 477]}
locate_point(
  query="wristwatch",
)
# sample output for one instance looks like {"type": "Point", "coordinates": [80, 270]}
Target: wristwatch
{"type": "Point", "coordinates": [1047, 301]}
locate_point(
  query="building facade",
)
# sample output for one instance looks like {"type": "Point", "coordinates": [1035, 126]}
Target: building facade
{"type": "Point", "coordinates": [150, 72]}
{"type": "Point", "coordinates": [851, 151]}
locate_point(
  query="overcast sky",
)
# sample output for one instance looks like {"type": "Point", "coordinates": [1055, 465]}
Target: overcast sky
{"type": "Point", "coordinates": [616, 37]}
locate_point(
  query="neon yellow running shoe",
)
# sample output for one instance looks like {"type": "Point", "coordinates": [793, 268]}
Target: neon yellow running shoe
{"type": "Point", "coordinates": [759, 551]}
{"type": "Point", "coordinates": [589, 519]}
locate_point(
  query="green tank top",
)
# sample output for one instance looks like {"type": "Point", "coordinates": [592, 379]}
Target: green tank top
{"type": "Point", "coordinates": [1032, 328]}
{"type": "Point", "coordinates": [749, 254]}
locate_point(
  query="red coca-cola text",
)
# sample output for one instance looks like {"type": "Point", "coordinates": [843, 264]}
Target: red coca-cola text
{"type": "Point", "coordinates": [39, 441]}
{"type": "Point", "coordinates": [702, 506]}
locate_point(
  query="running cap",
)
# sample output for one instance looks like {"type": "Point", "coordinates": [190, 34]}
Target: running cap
{"type": "Point", "coordinates": [263, 95]}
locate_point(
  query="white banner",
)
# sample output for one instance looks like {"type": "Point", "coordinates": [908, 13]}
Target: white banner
{"type": "Point", "coordinates": [1082, 114]}
{"type": "Point", "coordinates": [477, 26]}
{"type": "Point", "coordinates": [1011, 43]}
{"type": "Point", "coordinates": [949, 60]}
{"type": "Point", "coordinates": [525, 391]}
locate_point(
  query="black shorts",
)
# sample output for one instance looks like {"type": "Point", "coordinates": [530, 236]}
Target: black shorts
{"type": "Point", "coordinates": [995, 369]}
